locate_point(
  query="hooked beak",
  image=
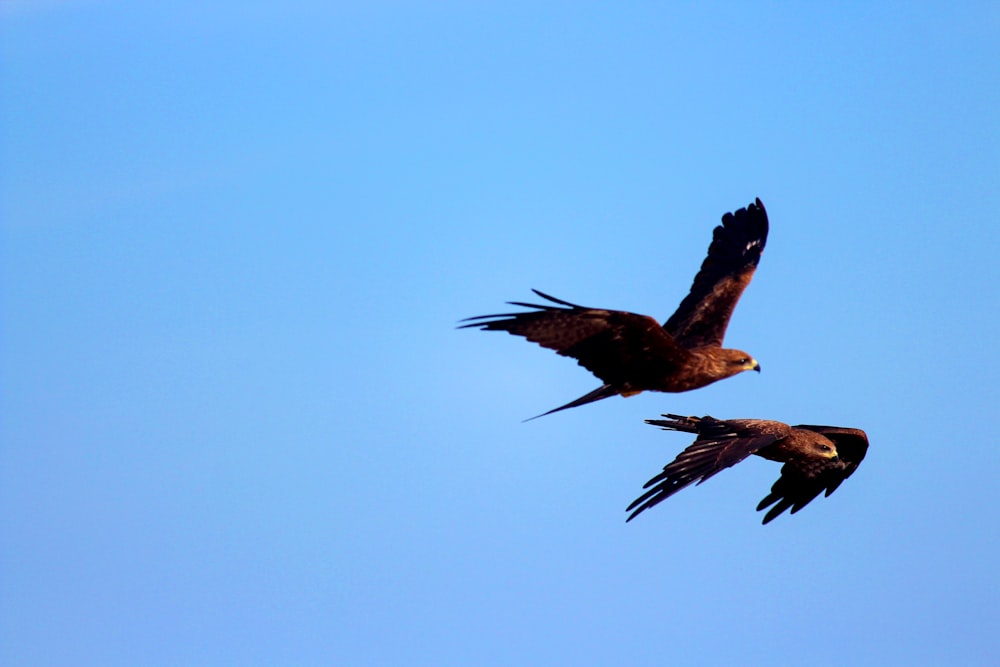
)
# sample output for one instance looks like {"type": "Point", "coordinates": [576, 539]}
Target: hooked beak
{"type": "Point", "coordinates": [756, 367]}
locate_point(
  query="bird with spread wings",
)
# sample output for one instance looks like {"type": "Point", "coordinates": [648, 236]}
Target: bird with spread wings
{"type": "Point", "coordinates": [632, 353]}
{"type": "Point", "coordinates": [816, 459]}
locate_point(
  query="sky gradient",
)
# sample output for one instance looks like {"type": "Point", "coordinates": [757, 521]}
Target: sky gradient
{"type": "Point", "coordinates": [239, 427]}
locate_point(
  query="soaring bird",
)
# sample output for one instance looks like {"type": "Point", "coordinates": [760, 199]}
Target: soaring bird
{"type": "Point", "coordinates": [632, 353]}
{"type": "Point", "coordinates": [817, 459]}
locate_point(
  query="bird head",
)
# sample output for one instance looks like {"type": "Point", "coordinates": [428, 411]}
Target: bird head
{"type": "Point", "coordinates": [738, 361]}
{"type": "Point", "coordinates": [825, 450]}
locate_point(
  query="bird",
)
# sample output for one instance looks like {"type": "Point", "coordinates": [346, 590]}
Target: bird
{"type": "Point", "coordinates": [816, 459]}
{"type": "Point", "coordinates": [632, 353]}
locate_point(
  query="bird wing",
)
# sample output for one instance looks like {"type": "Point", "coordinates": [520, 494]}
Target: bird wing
{"type": "Point", "coordinates": [736, 247]}
{"type": "Point", "coordinates": [618, 347]}
{"type": "Point", "coordinates": [802, 480]}
{"type": "Point", "coordinates": [720, 445]}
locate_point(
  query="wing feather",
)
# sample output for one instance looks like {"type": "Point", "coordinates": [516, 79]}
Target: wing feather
{"type": "Point", "coordinates": [720, 445]}
{"type": "Point", "coordinates": [737, 244]}
{"type": "Point", "coordinates": [617, 346]}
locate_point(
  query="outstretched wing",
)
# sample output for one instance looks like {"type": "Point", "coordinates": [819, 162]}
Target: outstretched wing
{"type": "Point", "coordinates": [619, 348]}
{"type": "Point", "coordinates": [720, 445]}
{"type": "Point", "coordinates": [737, 244]}
{"type": "Point", "coordinates": [802, 480]}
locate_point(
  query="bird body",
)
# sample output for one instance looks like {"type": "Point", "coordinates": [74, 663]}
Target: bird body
{"type": "Point", "coordinates": [632, 353]}
{"type": "Point", "coordinates": [816, 459]}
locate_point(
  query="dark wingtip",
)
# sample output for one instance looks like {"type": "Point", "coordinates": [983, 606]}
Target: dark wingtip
{"type": "Point", "coordinates": [780, 505]}
{"type": "Point", "coordinates": [636, 511]}
{"type": "Point", "coordinates": [773, 514]}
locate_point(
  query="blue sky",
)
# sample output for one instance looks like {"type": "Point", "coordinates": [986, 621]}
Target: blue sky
{"type": "Point", "coordinates": [238, 426]}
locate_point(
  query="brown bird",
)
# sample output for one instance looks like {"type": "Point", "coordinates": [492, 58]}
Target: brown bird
{"type": "Point", "coordinates": [632, 353]}
{"type": "Point", "coordinates": [817, 459]}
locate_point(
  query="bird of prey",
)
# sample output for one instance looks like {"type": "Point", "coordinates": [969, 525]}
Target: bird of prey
{"type": "Point", "coordinates": [632, 353]}
{"type": "Point", "coordinates": [817, 459]}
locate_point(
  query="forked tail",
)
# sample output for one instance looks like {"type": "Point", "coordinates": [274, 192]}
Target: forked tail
{"type": "Point", "coordinates": [677, 423]}
{"type": "Point", "coordinates": [603, 391]}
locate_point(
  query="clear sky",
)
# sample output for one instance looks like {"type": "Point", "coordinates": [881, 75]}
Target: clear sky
{"type": "Point", "coordinates": [239, 427]}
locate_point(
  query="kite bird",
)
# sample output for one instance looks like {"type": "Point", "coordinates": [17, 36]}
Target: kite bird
{"type": "Point", "coordinates": [632, 353]}
{"type": "Point", "coordinates": [817, 459]}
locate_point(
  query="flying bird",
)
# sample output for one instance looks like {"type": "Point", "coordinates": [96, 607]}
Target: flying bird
{"type": "Point", "coordinates": [816, 458]}
{"type": "Point", "coordinates": [632, 353]}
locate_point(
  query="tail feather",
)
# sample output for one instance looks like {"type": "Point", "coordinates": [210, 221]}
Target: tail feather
{"type": "Point", "coordinates": [603, 391]}
{"type": "Point", "coordinates": [678, 423]}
